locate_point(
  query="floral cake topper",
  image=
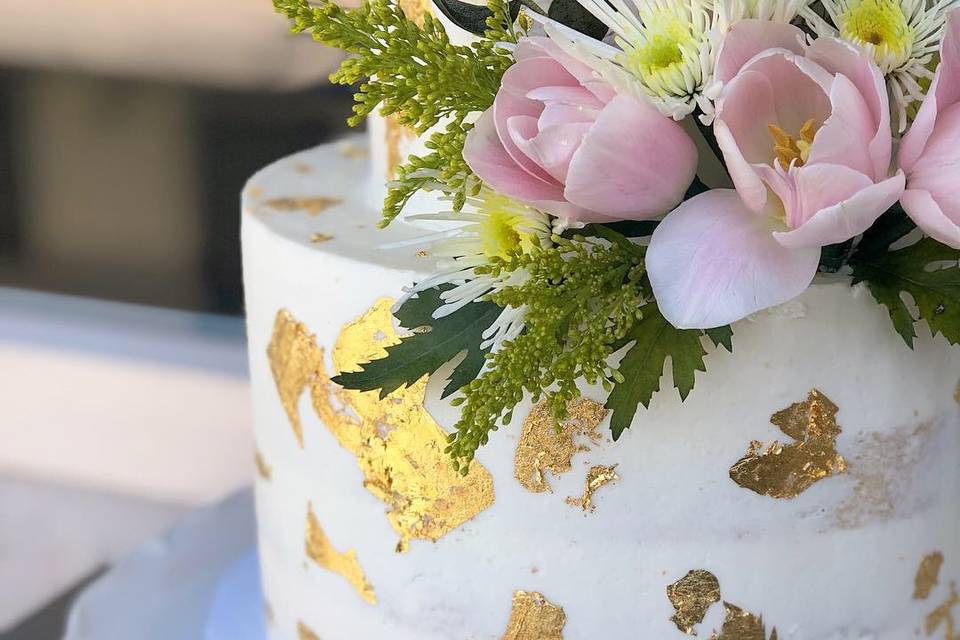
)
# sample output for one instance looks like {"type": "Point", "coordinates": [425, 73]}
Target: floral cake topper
{"type": "Point", "coordinates": [623, 179]}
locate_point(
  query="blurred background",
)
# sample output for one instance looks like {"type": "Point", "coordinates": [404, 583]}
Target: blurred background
{"type": "Point", "coordinates": [127, 130]}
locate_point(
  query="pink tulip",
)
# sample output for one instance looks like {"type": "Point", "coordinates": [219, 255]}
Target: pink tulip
{"type": "Point", "coordinates": [930, 151]}
{"type": "Point", "coordinates": [805, 133]}
{"type": "Point", "coordinates": [564, 141]}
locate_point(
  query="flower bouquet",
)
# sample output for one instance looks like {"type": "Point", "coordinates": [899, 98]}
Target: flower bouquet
{"type": "Point", "coordinates": [620, 182]}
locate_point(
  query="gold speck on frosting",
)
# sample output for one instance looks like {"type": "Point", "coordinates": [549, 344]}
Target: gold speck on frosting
{"type": "Point", "coordinates": [956, 394]}
{"type": "Point", "coordinates": [264, 470]}
{"type": "Point", "coordinates": [943, 617]}
{"type": "Point", "coordinates": [395, 135]}
{"type": "Point", "coordinates": [415, 10]}
{"type": "Point", "coordinates": [317, 238]}
{"type": "Point", "coordinates": [741, 625]}
{"type": "Point", "coordinates": [691, 597]}
{"type": "Point", "coordinates": [598, 476]}
{"type": "Point", "coordinates": [787, 470]}
{"type": "Point", "coordinates": [397, 444]}
{"type": "Point", "coordinates": [353, 151]}
{"type": "Point", "coordinates": [306, 633]}
{"type": "Point", "coordinates": [533, 617]}
{"type": "Point", "coordinates": [928, 575]}
{"type": "Point", "coordinates": [545, 447]}
{"type": "Point", "coordinates": [311, 205]}
{"type": "Point", "coordinates": [321, 551]}
{"type": "Point", "coordinates": [294, 360]}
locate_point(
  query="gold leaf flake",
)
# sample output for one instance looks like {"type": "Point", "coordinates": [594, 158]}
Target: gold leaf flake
{"type": "Point", "coordinates": [302, 167]}
{"type": "Point", "coordinates": [353, 151]}
{"type": "Point", "coordinates": [395, 135]}
{"type": "Point", "coordinates": [321, 551]}
{"type": "Point", "coordinates": [264, 470]}
{"type": "Point", "coordinates": [397, 444]}
{"type": "Point", "coordinates": [691, 597]}
{"type": "Point", "coordinates": [317, 238]}
{"type": "Point", "coordinates": [533, 617]}
{"type": "Point", "coordinates": [741, 625]}
{"type": "Point", "coordinates": [597, 477]}
{"type": "Point", "coordinates": [415, 10]}
{"type": "Point", "coordinates": [294, 360]}
{"type": "Point", "coordinates": [542, 447]}
{"type": "Point", "coordinates": [305, 633]}
{"type": "Point", "coordinates": [943, 616]}
{"type": "Point", "coordinates": [311, 205]}
{"type": "Point", "coordinates": [928, 575]}
{"type": "Point", "coordinates": [956, 394]}
{"type": "Point", "coordinates": [787, 470]}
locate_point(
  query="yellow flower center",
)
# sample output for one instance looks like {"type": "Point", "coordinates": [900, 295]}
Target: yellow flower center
{"type": "Point", "coordinates": [793, 149]}
{"type": "Point", "coordinates": [883, 24]}
{"type": "Point", "coordinates": [664, 37]}
{"type": "Point", "coordinates": [502, 230]}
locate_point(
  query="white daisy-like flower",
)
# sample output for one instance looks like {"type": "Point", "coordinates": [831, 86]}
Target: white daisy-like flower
{"type": "Point", "coordinates": [903, 36]}
{"type": "Point", "coordinates": [729, 11]}
{"type": "Point", "coordinates": [489, 226]}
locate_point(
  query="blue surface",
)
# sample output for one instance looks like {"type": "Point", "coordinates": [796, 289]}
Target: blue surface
{"type": "Point", "coordinates": [237, 611]}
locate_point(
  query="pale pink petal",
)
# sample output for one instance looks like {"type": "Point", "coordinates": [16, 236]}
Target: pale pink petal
{"type": "Point", "coordinates": [747, 38]}
{"type": "Point", "coordinates": [846, 219]}
{"type": "Point", "coordinates": [840, 57]}
{"type": "Point", "coordinates": [555, 114]}
{"type": "Point", "coordinates": [844, 137]}
{"type": "Point", "coordinates": [800, 88]}
{"type": "Point", "coordinates": [711, 262]}
{"type": "Point", "coordinates": [566, 95]}
{"type": "Point", "coordinates": [746, 107]}
{"type": "Point", "coordinates": [634, 163]}
{"type": "Point", "coordinates": [487, 158]}
{"type": "Point", "coordinates": [553, 147]}
{"type": "Point", "coordinates": [942, 94]}
{"type": "Point", "coordinates": [744, 175]}
{"type": "Point", "coordinates": [928, 215]}
{"type": "Point", "coordinates": [938, 169]}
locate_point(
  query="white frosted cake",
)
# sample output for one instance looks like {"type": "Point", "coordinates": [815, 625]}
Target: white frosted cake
{"type": "Point", "coordinates": [808, 487]}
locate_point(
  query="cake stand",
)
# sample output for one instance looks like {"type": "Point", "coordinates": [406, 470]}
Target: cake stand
{"type": "Point", "coordinates": [200, 581]}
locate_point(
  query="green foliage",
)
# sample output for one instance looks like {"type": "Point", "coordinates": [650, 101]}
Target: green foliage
{"type": "Point", "coordinates": [424, 351]}
{"type": "Point", "coordinates": [654, 340]}
{"type": "Point", "coordinates": [927, 271]}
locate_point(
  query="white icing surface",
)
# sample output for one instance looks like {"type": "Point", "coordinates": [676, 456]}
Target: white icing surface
{"type": "Point", "coordinates": [827, 565]}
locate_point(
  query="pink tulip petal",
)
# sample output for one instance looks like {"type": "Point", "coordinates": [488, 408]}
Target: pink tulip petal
{"type": "Point", "coordinates": [844, 220]}
{"type": "Point", "coordinates": [747, 107]}
{"type": "Point", "coordinates": [747, 38]}
{"type": "Point", "coordinates": [712, 262]}
{"type": "Point", "coordinates": [553, 147]}
{"type": "Point", "coordinates": [486, 156]}
{"type": "Point", "coordinates": [556, 114]}
{"type": "Point", "coordinates": [844, 137]}
{"type": "Point", "coordinates": [928, 215]}
{"type": "Point", "coordinates": [634, 163]}
{"type": "Point", "coordinates": [566, 95]}
{"type": "Point", "coordinates": [744, 175]}
{"type": "Point", "coordinates": [938, 167]}
{"type": "Point", "coordinates": [840, 57]}
{"type": "Point", "coordinates": [800, 88]}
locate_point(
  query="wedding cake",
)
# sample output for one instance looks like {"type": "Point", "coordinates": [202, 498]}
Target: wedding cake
{"type": "Point", "coordinates": [807, 488]}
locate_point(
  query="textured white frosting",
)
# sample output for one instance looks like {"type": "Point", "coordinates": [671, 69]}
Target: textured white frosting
{"type": "Point", "coordinates": [837, 562]}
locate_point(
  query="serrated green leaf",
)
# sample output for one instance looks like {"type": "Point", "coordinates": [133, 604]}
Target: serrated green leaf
{"type": "Point", "coordinates": [721, 337]}
{"type": "Point", "coordinates": [423, 352]}
{"type": "Point", "coordinates": [655, 340]}
{"type": "Point", "coordinates": [913, 270]}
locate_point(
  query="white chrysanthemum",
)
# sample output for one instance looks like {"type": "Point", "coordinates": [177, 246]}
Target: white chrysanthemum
{"type": "Point", "coordinates": [489, 226]}
{"type": "Point", "coordinates": [729, 11]}
{"type": "Point", "coordinates": [665, 45]}
{"type": "Point", "coordinates": [903, 36]}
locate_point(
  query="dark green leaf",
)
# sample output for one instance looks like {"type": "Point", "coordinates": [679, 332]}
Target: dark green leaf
{"type": "Point", "coordinates": [890, 227]}
{"type": "Point", "coordinates": [935, 288]}
{"type": "Point", "coordinates": [834, 256]}
{"type": "Point", "coordinates": [721, 336]}
{"type": "Point", "coordinates": [573, 14]}
{"type": "Point", "coordinates": [655, 340]}
{"type": "Point", "coordinates": [471, 17]}
{"type": "Point", "coordinates": [423, 352]}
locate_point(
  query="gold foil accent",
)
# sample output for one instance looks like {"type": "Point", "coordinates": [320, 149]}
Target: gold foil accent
{"type": "Point", "coordinates": [415, 10]}
{"type": "Point", "coordinates": [787, 470]}
{"type": "Point", "coordinates": [294, 360]}
{"type": "Point", "coordinates": [597, 477]}
{"type": "Point", "coordinates": [545, 447]}
{"type": "Point", "coordinates": [302, 167]}
{"type": "Point", "coordinates": [305, 633]}
{"type": "Point", "coordinates": [691, 597]}
{"type": "Point", "coordinates": [533, 617]}
{"type": "Point", "coordinates": [321, 551]}
{"type": "Point", "coordinates": [398, 445]}
{"type": "Point", "coordinates": [928, 575]}
{"type": "Point", "coordinates": [353, 151]}
{"type": "Point", "coordinates": [943, 616]}
{"type": "Point", "coordinates": [956, 394]}
{"type": "Point", "coordinates": [741, 625]}
{"type": "Point", "coordinates": [311, 205]}
{"type": "Point", "coordinates": [395, 135]}
{"type": "Point", "coordinates": [264, 470]}
{"type": "Point", "coordinates": [317, 238]}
